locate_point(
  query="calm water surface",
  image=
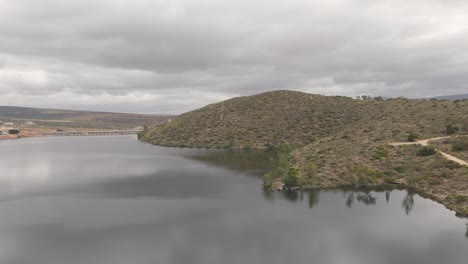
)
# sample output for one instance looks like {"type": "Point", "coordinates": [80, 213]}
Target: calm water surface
{"type": "Point", "coordinates": [113, 200]}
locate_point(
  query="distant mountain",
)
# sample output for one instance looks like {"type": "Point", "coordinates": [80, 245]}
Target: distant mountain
{"type": "Point", "coordinates": [77, 119]}
{"type": "Point", "coordinates": [452, 97]}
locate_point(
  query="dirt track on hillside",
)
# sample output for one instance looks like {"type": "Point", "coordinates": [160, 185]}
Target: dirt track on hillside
{"type": "Point", "coordinates": [425, 142]}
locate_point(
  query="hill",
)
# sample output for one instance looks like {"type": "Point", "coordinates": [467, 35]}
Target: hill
{"type": "Point", "coordinates": [325, 142]}
{"type": "Point", "coordinates": [267, 119]}
{"type": "Point", "coordinates": [56, 118]}
{"type": "Point", "coordinates": [452, 97]}
{"type": "Point", "coordinates": [257, 121]}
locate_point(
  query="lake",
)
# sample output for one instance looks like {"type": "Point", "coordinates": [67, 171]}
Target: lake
{"type": "Point", "coordinates": [114, 200]}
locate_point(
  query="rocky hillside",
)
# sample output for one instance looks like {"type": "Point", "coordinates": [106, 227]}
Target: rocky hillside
{"type": "Point", "coordinates": [299, 118]}
{"type": "Point", "coordinates": [327, 142]}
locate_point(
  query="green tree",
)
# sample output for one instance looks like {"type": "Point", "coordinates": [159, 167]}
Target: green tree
{"type": "Point", "coordinates": [426, 151]}
{"type": "Point", "coordinates": [267, 180]}
{"type": "Point", "coordinates": [412, 137]}
{"type": "Point", "coordinates": [292, 180]}
{"type": "Point", "coordinates": [311, 171]}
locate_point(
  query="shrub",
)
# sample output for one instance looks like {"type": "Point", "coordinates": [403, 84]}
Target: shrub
{"type": "Point", "coordinates": [465, 126]}
{"type": "Point", "coordinates": [379, 154]}
{"type": "Point", "coordinates": [311, 171]}
{"type": "Point", "coordinates": [426, 151]}
{"type": "Point", "coordinates": [267, 180]}
{"type": "Point", "coordinates": [292, 180]}
{"type": "Point", "coordinates": [412, 137]}
{"type": "Point", "coordinates": [401, 169]}
{"type": "Point", "coordinates": [13, 131]}
{"type": "Point", "coordinates": [390, 179]}
{"type": "Point", "coordinates": [451, 129]}
{"type": "Point", "coordinates": [452, 165]}
{"type": "Point", "coordinates": [461, 198]}
{"type": "Point", "coordinates": [460, 144]}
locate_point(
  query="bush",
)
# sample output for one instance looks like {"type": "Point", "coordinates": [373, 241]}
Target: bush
{"type": "Point", "coordinates": [401, 169]}
{"type": "Point", "coordinates": [292, 180]}
{"type": "Point", "coordinates": [451, 129]}
{"type": "Point", "coordinates": [13, 131]}
{"type": "Point", "coordinates": [267, 180]}
{"type": "Point", "coordinates": [412, 137]}
{"type": "Point", "coordinates": [311, 171]}
{"type": "Point", "coordinates": [460, 144]}
{"type": "Point", "coordinates": [426, 151]}
{"type": "Point", "coordinates": [379, 154]}
{"type": "Point", "coordinates": [465, 126]}
{"type": "Point", "coordinates": [461, 198]}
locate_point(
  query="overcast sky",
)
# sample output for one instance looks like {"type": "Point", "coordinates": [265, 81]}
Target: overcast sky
{"type": "Point", "coordinates": [161, 56]}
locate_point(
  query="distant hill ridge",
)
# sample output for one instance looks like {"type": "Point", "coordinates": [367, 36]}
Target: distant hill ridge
{"type": "Point", "coordinates": [452, 97]}
{"type": "Point", "coordinates": [78, 119]}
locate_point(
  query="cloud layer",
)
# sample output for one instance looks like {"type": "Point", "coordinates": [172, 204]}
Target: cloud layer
{"type": "Point", "coordinates": [161, 56]}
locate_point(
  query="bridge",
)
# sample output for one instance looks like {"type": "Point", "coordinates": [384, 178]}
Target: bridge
{"type": "Point", "coordinates": [93, 133]}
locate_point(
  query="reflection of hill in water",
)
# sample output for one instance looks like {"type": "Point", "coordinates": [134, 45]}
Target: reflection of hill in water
{"type": "Point", "coordinates": [255, 161]}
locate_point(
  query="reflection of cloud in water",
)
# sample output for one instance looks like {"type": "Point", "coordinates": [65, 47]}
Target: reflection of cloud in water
{"type": "Point", "coordinates": [19, 176]}
{"type": "Point", "coordinates": [77, 212]}
{"type": "Point", "coordinates": [34, 175]}
{"type": "Point", "coordinates": [175, 183]}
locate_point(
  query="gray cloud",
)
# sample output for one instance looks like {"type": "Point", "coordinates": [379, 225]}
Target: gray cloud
{"type": "Point", "coordinates": [158, 56]}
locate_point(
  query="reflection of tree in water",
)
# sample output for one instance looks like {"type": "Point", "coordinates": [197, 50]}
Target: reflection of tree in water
{"type": "Point", "coordinates": [466, 234]}
{"type": "Point", "coordinates": [350, 200]}
{"type": "Point", "coordinates": [313, 198]}
{"type": "Point", "coordinates": [291, 196]}
{"type": "Point", "coordinates": [408, 202]}
{"type": "Point", "coordinates": [387, 196]}
{"type": "Point", "coordinates": [268, 195]}
{"type": "Point", "coordinates": [366, 198]}
{"type": "Point", "coordinates": [363, 197]}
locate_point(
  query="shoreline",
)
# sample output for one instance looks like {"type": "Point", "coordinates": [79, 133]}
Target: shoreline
{"type": "Point", "coordinates": [7, 137]}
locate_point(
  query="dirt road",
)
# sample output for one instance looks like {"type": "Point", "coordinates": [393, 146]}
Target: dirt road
{"type": "Point", "coordinates": [425, 142]}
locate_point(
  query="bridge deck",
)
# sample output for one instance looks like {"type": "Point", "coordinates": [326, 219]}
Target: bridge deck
{"type": "Point", "coordinates": [93, 133]}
